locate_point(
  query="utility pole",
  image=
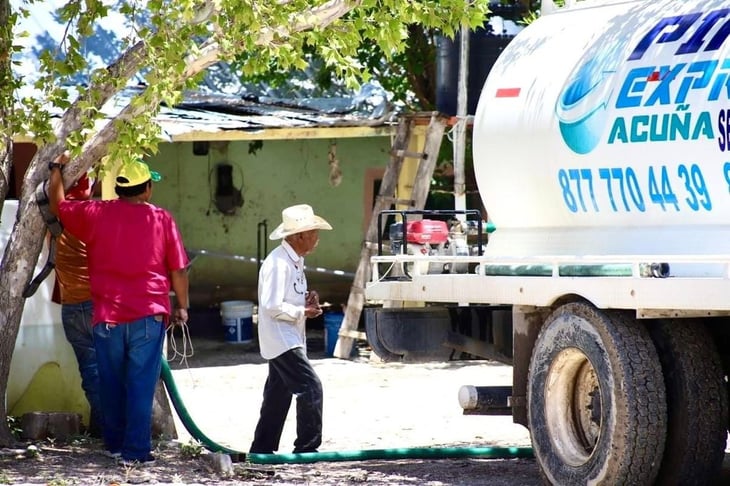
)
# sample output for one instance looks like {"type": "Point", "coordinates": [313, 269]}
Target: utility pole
{"type": "Point", "coordinates": [461, 123]}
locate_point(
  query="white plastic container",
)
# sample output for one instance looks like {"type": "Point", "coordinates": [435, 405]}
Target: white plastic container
{"type": "Point", "coordinates": [44, 375]}
{"type": "Point", "coordinates": [237, 318]}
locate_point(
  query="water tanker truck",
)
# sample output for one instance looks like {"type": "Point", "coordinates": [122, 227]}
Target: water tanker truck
{"type": "Point", "coordinates": [601, 148]}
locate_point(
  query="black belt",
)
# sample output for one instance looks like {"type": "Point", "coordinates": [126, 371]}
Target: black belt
{"type": "Point", "coordinates": [55, 227]}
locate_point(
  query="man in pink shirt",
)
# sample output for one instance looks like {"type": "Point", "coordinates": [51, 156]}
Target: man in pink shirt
{"type": "Point", "coordinates": [136, 256]}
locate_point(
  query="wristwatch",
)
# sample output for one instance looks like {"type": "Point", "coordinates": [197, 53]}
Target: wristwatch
{"type": "Point", "coordinates": [55, 165]}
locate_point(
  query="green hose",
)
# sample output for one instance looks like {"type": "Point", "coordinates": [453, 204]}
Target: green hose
{"type": "Point", "coordinates": [336, 456]}
{"type": "Point", "coordinates": [403, 453]}
{"type": "Point", "coordinates": [187, 421]}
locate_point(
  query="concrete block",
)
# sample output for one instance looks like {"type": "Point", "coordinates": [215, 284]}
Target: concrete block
{"type": "Point", "coordinates": [219, 463]}
{"type": "Point", "coordinates": [60, 426]}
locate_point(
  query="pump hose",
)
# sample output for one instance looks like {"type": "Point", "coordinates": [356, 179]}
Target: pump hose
{"type": "Point", "coordinates": [334, 456]}
{"type": "Point", "coordinates": [182, 412]}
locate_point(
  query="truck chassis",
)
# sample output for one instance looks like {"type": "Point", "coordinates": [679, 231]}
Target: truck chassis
{"type": "Point", "coordinates": [614, 387]}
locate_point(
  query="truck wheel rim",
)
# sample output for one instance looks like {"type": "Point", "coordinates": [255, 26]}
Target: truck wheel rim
{"type": "Point", "coordinates": [573, 405]}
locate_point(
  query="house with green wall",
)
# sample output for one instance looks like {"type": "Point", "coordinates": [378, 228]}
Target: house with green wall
{"type": "Point", "coordinates": [226, 245]}
{"type": "Point", "coordinates": [335, 169]}
{"type": "Point", "coordinates": [330, 153]}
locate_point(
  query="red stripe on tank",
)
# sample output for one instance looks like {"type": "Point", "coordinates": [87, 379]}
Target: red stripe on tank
{"type": "Point", "coordinates": [508, 92]}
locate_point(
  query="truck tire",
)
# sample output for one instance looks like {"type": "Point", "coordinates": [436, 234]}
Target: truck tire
{"type": "Point", "coordinates": [595, 399]}
{"type": "Point", "coordinates": [697, 403]}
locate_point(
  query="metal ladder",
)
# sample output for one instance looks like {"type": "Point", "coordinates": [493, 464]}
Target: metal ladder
{"type": "Point", "coordinates": [386, 197]}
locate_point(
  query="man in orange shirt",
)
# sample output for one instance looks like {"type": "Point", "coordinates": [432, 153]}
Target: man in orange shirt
{"type": "Point", "coordinates": [72, 274]}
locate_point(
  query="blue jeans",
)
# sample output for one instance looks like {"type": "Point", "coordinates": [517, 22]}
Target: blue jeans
{"type": "Point", "coordinates": [77, 326]}
{"type": "Point", "coordinates": [129, 357]}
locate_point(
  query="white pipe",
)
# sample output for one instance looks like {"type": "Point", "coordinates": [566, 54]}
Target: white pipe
{"type": "Point", "coordinates": [460, 127]}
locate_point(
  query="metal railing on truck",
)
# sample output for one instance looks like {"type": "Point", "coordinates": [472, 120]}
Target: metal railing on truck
{"type": "Point", "coordinates": [547, 266]}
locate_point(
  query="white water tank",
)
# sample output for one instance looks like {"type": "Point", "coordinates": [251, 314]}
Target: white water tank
{"type": "Point", "coordinates": [44, 372]}
{"type": "Point", "coordinates": [604, 129]}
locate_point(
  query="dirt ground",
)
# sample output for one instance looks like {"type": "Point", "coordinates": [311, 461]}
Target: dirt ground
{"type": "Point", "coordinates": [368, 406]}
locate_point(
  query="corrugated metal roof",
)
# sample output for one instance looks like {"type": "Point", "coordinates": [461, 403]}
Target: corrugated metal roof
{"type": "Point", "coordinates": [209, 116]}
{"type": "Point", "coordinates": [216, 113]}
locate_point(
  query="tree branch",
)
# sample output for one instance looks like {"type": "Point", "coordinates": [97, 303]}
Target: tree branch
{"type": "Point", "coordinates": [96, 148]}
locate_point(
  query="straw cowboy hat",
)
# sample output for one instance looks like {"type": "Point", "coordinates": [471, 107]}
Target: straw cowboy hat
{"type": "Point", "coordinates": [297, 219]}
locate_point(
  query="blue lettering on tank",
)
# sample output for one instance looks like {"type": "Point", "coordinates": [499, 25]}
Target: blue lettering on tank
{"type": "Point", "coordinates": [676, 27]}
{"type": "Point", "coordinates": [662, 93]}
{"type": "Point", "coordinates": [584, 106]}
{"type": "Point", "coordinates": [635, 84]}
{"type": "Point", "coordinates": [662, 128]}
{"type": "Point", "coordinates": [619, 131]}
{"type": "Point", "coordinates": [719, 39]}
{"type": "Point", "coordinates": [698, 38]}
{"type": "Point", "coordinates": [703, 127]}
{"type": "Point", "coordinates": [673, 29]}
{"type": "Point", "coordinates": [704, 70]}
{"type": "Point", "coordinates": [624, 188]}
{"type": "Point", "coordinates": [672, 85]}
{"type": "Point", "coordinates": [639, 128]}
{"type": "Point", "coordinates": [658, 128]}
{"type": "Point", "coordinates": [722, 80]}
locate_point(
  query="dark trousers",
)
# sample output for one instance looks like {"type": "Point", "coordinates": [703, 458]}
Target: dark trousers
{"type": "Point", "coordinates": [290, 374]}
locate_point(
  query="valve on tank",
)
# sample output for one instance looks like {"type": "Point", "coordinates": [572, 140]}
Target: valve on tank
{"type": "Point", "coordinates": [656, 270]}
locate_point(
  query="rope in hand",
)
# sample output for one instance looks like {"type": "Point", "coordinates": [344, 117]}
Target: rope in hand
{"type": "Point", "coordinates": [182, 354]}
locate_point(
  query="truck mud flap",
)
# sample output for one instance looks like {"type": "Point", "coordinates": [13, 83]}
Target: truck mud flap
{"type": "Point", "coordinates": [413, 335]}
{"type": "Point", "coordinates": [440, 333]}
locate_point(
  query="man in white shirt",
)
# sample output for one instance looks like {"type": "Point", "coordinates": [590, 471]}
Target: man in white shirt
{"type": "Point", "coordinates": [284, 306]}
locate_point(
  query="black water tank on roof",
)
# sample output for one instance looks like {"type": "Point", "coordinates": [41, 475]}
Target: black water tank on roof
{"type": "Point", "coordinates": [484, 49]}
{"type": "Point", "coordinates": [485, 46]}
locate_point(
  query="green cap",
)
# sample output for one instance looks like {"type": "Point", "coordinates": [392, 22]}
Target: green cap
{"type": "Point", "coordinates": [136, 173]}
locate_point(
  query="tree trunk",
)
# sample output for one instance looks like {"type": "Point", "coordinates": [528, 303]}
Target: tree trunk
{"type": "Point", "coordinates": [5, 165]}
{"type": "Point", "coordinates": [421, 71]}
{"type": "Point", "coordinates": [26, 240]}
{"type": "Point", "coordinates": [163, 425]}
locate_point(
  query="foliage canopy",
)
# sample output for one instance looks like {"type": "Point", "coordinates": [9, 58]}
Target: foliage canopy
{"type": "Point", "coordinates": [176, 40]}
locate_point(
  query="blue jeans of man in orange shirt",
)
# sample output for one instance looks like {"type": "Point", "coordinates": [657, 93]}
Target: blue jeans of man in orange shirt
{"type": "Point", "coordinates": [77, 326]}
{"type": "Point", "coordinates": [129, 357]}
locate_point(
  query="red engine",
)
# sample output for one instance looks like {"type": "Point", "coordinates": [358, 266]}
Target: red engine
{"type": "Point", "coordinates": [430, 237]}
{"type": "Point", "coordinates": [427, 231]}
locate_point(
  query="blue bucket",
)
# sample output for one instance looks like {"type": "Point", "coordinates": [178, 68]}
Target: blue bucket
{"type": "Point", "coordinates": [332, 323]}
